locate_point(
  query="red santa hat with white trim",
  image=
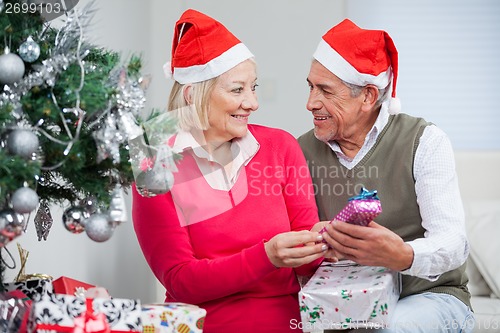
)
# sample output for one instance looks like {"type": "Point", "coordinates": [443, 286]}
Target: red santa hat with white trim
{"type": "Point", "coordinates": [203, 49]}
{"type": "Point", "coordinates": [360, 57]}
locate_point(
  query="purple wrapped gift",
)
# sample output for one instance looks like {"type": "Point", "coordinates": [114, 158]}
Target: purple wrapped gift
{"type": "Point", "coordinates": [360, 209]}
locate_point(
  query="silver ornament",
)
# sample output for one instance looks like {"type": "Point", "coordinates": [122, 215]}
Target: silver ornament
{"type": "Point", "coordinates": [108, 139]}
{"type": "Point", "coordinates": [9, 216]}
{"type": "Point", "coordinates": [117, 213]}
{"type": "Point", "coordinates": [151, 183]}
{"type": "Point", "coordinates": [131, 94]}
{"type": "Point", "coordinates": [90, 205]}
{"type": "Point", "coordinates": [128, 124]}
{"type": "Point", "coordinates": [43, 221]}
{"type": "Point", "coordinates": [29, 51]}
{"type": "Point", "coordinates": [74, 219]}
{"type": "Point", "coordinates": [159, 178]}
{"type": "Point", "coordinates": [3, 222]}
{"type": "Point", "coordinates": [11, 68]}
{"type": "Point", "coordinates": [98, 227]}
{"type": "Point", "coordinates": [24, 200]}
{"type": "Point", "coordinates": [11, 226]}
{"type": "Point", "coordinates": [22, 142]}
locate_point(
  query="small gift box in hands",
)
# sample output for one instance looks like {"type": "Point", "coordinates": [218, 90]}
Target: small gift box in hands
{"type": "Point", "coordinates": [360, 209]}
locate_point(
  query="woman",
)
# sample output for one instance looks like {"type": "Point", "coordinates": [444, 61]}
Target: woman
{"type": "Point", "coordinates": [233, 232]}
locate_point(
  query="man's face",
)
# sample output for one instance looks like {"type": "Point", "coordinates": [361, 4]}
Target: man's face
{"type": "Point", "coordinates": [334, 110]}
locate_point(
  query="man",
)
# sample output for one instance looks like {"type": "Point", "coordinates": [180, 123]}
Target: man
{"type": "Point", "coordinates": [360, 140]}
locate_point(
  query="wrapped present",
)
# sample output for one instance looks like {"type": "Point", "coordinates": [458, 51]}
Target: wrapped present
{"type": "Point", "coordinates": [66, 313]}
{"type": "Point", "coordinates": [66, 285]}
{"type": "Point", "coordinates": [96, 292]}
{"type": "Point", "coordinates": [360, 209]}
{"type": "Point", "coordinates": [34, 286]}
{"type": "Point", "coordinates": [172, 318]}
{"type": "Point", "coordinates": [345, 295]}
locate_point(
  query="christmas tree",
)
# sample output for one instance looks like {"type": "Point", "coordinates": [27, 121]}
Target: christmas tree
{"type": "Point", "coordinates": [70, 132]}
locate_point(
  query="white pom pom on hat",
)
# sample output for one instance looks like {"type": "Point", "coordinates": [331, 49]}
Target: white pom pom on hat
{"type": "Point", "coordinates": [203, 49]}
{"type": "Point", "coordinates": [167, 70]}
{"type": "Point", "coordinates": [360, 57]}
{"type": "Point", "coordinates": [394, 105]}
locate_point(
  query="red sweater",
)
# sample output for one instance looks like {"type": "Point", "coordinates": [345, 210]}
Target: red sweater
{"type": "Point", "coordinates": [220, 263]}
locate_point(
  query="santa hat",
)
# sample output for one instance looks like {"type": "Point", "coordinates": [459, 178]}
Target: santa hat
{"type": "Point", "coordinates": [360, 57]}
{"type": "Point", "coordinates": [203, 49]}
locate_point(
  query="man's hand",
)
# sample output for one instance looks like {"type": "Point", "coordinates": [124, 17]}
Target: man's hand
{"type": "Point", "coordinates": [371, 245]}
{"type": "Point", "coordinates": [330, 254]}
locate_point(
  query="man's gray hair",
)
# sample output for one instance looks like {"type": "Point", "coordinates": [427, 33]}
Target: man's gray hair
{"type": "Point", "coordinates": [383, 94]}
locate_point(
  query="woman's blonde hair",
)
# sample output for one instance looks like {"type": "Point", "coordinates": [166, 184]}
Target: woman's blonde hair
{"type": "Point", "coordinates": [194, 115]}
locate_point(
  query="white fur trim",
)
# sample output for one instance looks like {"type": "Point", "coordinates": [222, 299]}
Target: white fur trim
{"type": "Point", "coordinates": [394, 105]}
{"type": "Point", "coordinates": [336, 64]}
{"type": "Point", "coordinates": [167, 70]}
{"type": "Point", "coordinates": [214, 67]}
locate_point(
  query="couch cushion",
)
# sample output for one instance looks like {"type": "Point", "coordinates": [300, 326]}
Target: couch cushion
{"type": "Point", "coordinates": [486, 313]}
{"type": "Point", "coordinates": [483, 228]}
{"type": "Point", "coordinates": [477, 285]}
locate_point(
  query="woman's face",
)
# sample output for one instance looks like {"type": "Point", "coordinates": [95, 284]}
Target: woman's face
{"type": "Point", "coordinates": [232, 100]}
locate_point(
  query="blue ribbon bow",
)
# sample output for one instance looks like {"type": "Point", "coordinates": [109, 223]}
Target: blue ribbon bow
{"type": "Point", "coordinates": [364, 194]}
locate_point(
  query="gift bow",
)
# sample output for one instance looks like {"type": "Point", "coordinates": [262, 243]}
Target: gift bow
{"type": "Point", "coordinates": [88, 322]}
{"type": "Point", "coordinates": [364, 194]}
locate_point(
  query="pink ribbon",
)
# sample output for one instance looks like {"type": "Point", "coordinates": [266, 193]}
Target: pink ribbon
{"type": "Point", "coordinates": [89, 322]}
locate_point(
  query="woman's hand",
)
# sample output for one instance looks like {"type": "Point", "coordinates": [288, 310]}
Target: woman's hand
{"type": "Point", "coordinates": [295, 248]}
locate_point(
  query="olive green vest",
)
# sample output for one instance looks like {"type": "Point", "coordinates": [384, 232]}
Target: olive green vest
{"type": "Point", "coordinates": [387, 168]}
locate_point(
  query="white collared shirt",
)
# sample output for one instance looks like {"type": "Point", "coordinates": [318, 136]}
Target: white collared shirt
{"type": "Point", "coordinates": [218, 176]}
{"type": "Point", "coordinates": [444, 246]}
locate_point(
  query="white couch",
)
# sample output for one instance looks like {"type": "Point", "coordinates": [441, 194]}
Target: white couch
{"type": "Point", "coordinates": [483, 228]}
